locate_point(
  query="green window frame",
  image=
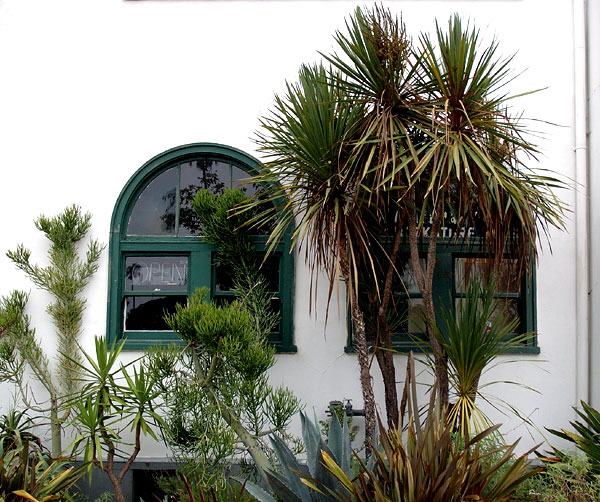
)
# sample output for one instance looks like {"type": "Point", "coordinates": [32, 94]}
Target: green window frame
{"type": "Point", "coordinates": [157, 258]}
{"type": "Point", "coordinates": [447, 292]}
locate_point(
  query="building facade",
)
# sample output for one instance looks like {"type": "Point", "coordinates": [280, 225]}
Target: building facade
{"type": "Point", "coordinates": [106, 95]}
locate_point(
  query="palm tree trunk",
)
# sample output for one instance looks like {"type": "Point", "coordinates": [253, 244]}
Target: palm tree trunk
{"type": "Point", "coordinates": [362, 351]}
{"type": "Point", "coordinates": [383, 349]}
{"type": "Point", "coordinates": [424, 279]}
{"type": "Point", "coordinates": [385, 360]}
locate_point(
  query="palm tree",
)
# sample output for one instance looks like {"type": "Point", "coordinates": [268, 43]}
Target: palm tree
{"type": "Point", "coordinates": [379, 149]}
{"type": "Point", "coordinates": [313, 182]}
{"type": "Point", "coordinates": [442, 144]}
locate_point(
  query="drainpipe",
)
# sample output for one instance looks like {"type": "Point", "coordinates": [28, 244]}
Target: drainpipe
{"type": "Point", "coordinates": [582, 381]}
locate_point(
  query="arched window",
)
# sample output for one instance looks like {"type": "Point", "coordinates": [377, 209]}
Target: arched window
{"type": "Point", "coordinates": [158, 256]}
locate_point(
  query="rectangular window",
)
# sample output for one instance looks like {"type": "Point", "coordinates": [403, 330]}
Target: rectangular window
{"type": "Point", "coordinates": [508, 286]}
{"type": "Point", "coordinates": [454, 269]}
{"type": "Point", "coordinates": [223, 287]}
{"type": "Point", "coordinates": [153, 287]}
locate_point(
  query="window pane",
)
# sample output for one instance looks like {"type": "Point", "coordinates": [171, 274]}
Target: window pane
{"type": "Point", "coordinates": [205, 173]}
{"type": "Point", "coordinates": [154, 211]}
{"type": "Point", "coordinates": [269, 270]}
{"type": "Point", "coordinates": [408, 285]}
{"type": "Point", "coordinates": [507, 309]}
{"type": "Point", "coordinates": [156, 273]}
{"type": "Point", "coordinates": [239, 179]}
{"type": "Point", "coordinates": [466, 269]}
{"type": "Point", "coordinates": [223, 278]}
{"type": "Point", "coordinates": [191, 178]}
{"type": "Point", "coordinates": [146, 313]}
{"type": "Point", "coordinates": [416, 316]}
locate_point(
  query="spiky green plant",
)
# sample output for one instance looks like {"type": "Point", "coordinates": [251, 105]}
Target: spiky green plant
{"type": "Point", "coordinates": [221, 402]}
{"type": "Point", "coordinates": [428, 465]}
{"type": "Point", "coordinates": [27, 470]}
{"type": "Point", "coordinates": [224, 228]}
{"type": "Point", "coordinates": [473, 335]}
{"type": "Point", "coordinates": [390, 141]}
{"type": "Point", "coordinates": [285, 477]}
{"type": "Point", "coordinates": [586, 436]}
{"type": "Point", "coordinates": [113, 398]}
{"type": "Point", "coordinates": [65, 278]}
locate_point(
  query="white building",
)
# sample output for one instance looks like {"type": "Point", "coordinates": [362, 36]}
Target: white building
{"type": "Point", "coordinates": [93, 90]}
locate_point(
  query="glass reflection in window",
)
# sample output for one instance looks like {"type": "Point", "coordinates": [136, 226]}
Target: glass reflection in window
{"type": "Point", "coordinates": [154, 211]}
{"type": "Point", "coordinates": [147, 313]}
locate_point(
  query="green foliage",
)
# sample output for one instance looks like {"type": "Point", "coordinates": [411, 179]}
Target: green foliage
{"type": "Point", "coordinates": [15, 428]}
{"type": "Point", "coordinates": [586, 436]}
{"type": "Point", "coordinates": [314, 185]}
{"type": "Point", "coordinates": [216, 393]}
{"type": "Point", "coordinates": [217, 396]}
{"type": "Point", "coordinates": [286, 479]}
{"type": "Point", "coordinates": [27, 471]}
{"type": "Point", "coordinates": [389, 140]}
{"type": "Point", "coordinates": [229, 231]}
{"type": "Point", "coordinates": [428, 465]}
{"type": "Point", "coordinates": [65, 278]}
{"type": "Point", "coordinates": [112, 399]}
{"type": "Point", "coordinates": [17, 338]}
{"type": "Point", "coordinates": [338, 409]}
{"type": "Point", "coordinates": [224, 338]}
{"type": "Point", "coordinates": [224, 228]}
{"type": "Point", "coordinates": [474, 335]}
{"type": "Point", "coordinates": [570, 480]}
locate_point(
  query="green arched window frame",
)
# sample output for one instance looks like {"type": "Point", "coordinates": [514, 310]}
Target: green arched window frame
{"type": "Point", "coordinates": [182, 261]}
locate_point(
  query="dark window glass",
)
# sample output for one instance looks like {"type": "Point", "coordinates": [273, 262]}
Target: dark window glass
{"type": "Point", "coordinates": [508, 284]}
{"type": "Point", "coordinates": [154, 211]}
{"type": "Point", "coordinates": [223, 278]}
{"type": "Point", "coordinates": [269, 271]}
{"type": "Point", "coordinates": [203, 173]}
{"type": "Point", "coordinates": [146, 313]}
{"type": "Point", "coordinates": [468, 268]}
{"type": "Point", "coordinates": [191, 176]}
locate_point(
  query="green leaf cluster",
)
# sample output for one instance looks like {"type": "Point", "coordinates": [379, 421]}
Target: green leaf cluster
{"type": "Point", "coordinates": [27, 471]}
{"type": "Point", "coordinates": [586, 435]}
{"type": "Point", "coordinates": [113, 398]}
{"type": "Point", "coordinates": [427, 464]}
{"type": "Point", "coordinates": [216, 393]}
{"type": "Point", "coordinates": [570, 480]}
{"type": "Point", "coordinates": [65, 277]}
{"type": "Point", "coordinates": [387, 140]}
{"type": "Point", "coordinates": [287, 478]}
{"type": "Point", "coordinates": [475, 333]}
{"type": "Point", "coordinates": [227, 228]}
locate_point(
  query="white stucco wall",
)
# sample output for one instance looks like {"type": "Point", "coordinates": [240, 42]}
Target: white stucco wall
{"type": "Point", "coordinates": [91, 89]}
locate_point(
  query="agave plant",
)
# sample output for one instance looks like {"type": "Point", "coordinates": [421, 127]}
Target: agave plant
{"type": "Point", "coordinates": [287, 480]}
{"type": "Point", "coordinates": [429, 465]}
